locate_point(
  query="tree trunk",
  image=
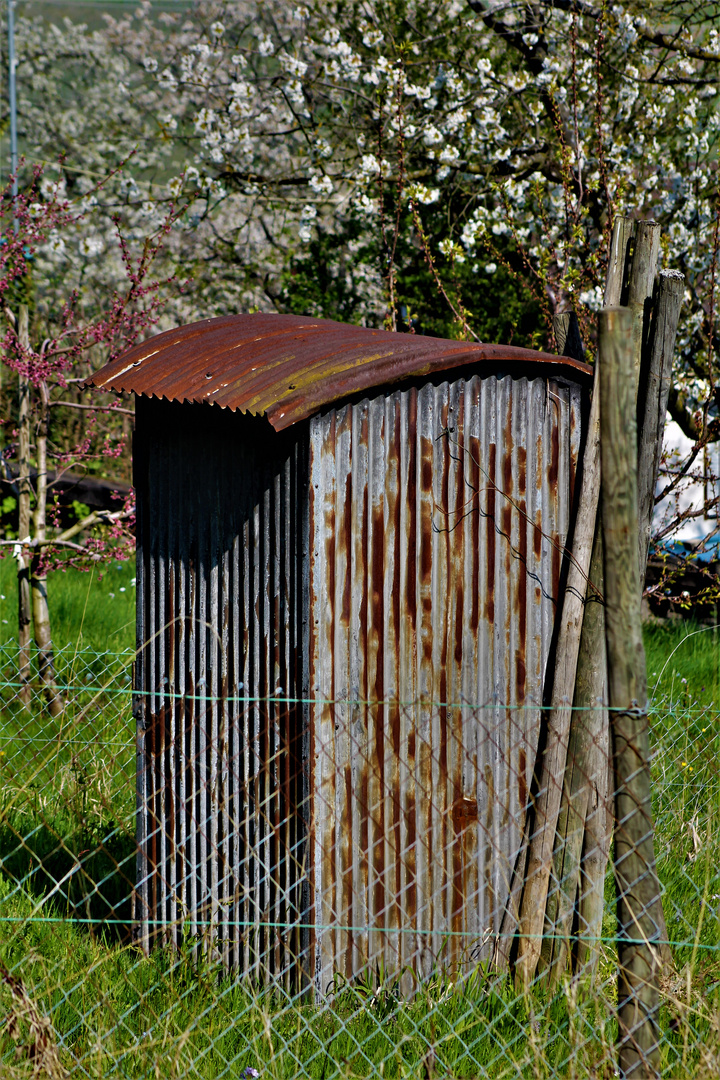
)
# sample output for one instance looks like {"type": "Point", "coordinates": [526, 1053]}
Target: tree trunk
{"type": "Point", "coordinates": [38, 575]}
{"type": "Point", "coordinates": [638, 888]}
{"type": "Point", "coordinates": [24, 497]}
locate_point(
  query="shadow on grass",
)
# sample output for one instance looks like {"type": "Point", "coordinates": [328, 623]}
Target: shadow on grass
{"type": "Point", "coordinates": [83, 874]}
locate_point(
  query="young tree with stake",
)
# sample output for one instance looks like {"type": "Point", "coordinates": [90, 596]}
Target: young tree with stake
{"type": "Point", "coordinates": [50, 349]}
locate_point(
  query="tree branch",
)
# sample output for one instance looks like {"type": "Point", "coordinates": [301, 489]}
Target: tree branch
{"type": "Point", "coordinates": [679, 411]}
{"type": "Point", "coordinates": [94, 408]}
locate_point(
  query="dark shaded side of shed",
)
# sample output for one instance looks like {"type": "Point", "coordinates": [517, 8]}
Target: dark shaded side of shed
{"type": "Point", "coordinates": [350, 548]}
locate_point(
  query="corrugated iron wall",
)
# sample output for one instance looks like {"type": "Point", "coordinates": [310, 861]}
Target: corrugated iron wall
{"type": "Point", "coordinates": [221, 794]}
{"type": "Point", "coordinates": [437, 523]}
{"type": "Point", "coordinates": [343, 634]}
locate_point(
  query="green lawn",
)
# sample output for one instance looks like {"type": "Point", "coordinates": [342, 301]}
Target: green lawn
{"type": "Point", "coordinates": [67, 854]}
{"type": "Point", "coordinates": [683, 662]}
{"type": "Point", "coordinates": [93, 610]}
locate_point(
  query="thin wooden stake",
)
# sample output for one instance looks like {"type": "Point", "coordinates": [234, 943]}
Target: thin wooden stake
{"type": "Point", "coordinates": [38, 574]}
{"type": "Point", "coordinates": [636, 879]}
{"type": "Point", "coordinates": [24, 497]}
{"type": "Point", "coordinates": [590, 689]}
{"type": "Point", "coordinates": [583, 837]}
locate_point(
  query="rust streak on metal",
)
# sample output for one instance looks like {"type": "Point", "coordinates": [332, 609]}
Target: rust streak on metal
{"type": "Point", "coordinates": [490, 534]}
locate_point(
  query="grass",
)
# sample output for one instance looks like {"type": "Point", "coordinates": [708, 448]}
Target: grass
{"type": "Point", "coordinates": [93, 610]}
{"type": "Point", "coordinates": [683, 662]}
{"type": "Point", "coordinates": [79, 997]}
{"type": "Point", "coordinates": [167, 1015]}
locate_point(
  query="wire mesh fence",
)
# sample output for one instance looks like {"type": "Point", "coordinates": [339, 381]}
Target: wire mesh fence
{"type": "Point", "coordinates": [293, 887]}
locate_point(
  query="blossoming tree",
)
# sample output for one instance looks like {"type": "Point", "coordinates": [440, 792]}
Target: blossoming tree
{"type": "Point", "coordinates": [451, 167]}
{"type": "Point", "coordinates": [50, 349]}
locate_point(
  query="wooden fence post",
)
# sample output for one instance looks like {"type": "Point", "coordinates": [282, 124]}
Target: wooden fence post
{"type": "Point", "coordinates": [637, 884]}
{"type": "Point", "coordinates": [653, 398]}
{"type": "Point", "coordinates": [618, 263]}
{"type": "Point", "coordinates": [641, 286]}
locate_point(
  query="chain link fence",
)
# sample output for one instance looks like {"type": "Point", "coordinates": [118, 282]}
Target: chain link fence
{"type": "Point", "coordinates": [341, 901]}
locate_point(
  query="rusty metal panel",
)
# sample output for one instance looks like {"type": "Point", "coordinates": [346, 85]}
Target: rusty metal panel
{"type": "Point", "coordinates": [218, 686]}
{"type": "Point", "coordinates": [287, 367]}
{"type": "Point", "coordinates": [438, 519]}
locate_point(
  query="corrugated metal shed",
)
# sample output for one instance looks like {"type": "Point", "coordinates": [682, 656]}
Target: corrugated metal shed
{"type": "Point", "coordinates": [343, 629]}
{"type": "Point", "coordinates": [287, 367]}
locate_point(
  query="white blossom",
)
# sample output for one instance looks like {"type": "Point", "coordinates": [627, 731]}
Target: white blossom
{"type": "Point", "coordinates": [422, 194]}
{"type": "Point", "coordinates": [291, 65]}
{"type": "Point", "coordinates": [294, 92]}
{"type": "Point", "coordinates": [449, 155]}
{"type": "Point", "coordinates": [204, 120]}
{"type": "Point", "coordinates": [53, 189]}
{"type": "Point", "coordinates": [432, 136]}
{"type": "Point", "coordinates": [167, 80]}
{"type": "Point", "coordinates": [90, 246]}
{"type": "Point", "coordinates": [373, 38]}
{"type": "Point", "coordinates": [307, 218]}
{"type": "Point", "coordinates": [266, 46]}
{"type": "Point", "coordinates": [321, 185]}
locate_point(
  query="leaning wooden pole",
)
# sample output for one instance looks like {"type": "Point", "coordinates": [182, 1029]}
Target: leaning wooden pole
{"type": "Point", "coordinates": [576, 897]}
{"type": "Point", "coordinates": [630, 258]}
{"type": "Point", "coordinates": [636, 878]}
{"type": "Point", "coordinates": [591, 687]}
{"type": "Point", "coordinates": [551, 769]}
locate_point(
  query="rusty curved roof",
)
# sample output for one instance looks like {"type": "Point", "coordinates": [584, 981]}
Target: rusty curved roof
{"type": "Point", "coordinates": [288, 367]}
